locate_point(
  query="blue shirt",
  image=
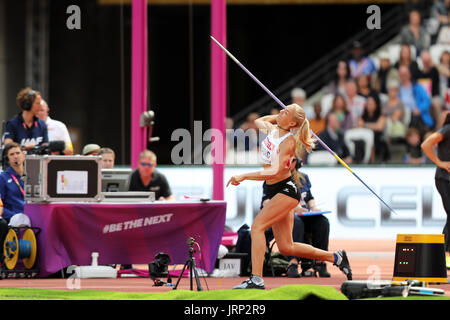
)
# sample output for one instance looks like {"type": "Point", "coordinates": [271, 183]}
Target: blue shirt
{"type": "Point", "coordinates": [407, 97]}
{"type": "Point", "coordinates": [421, 100]}
{"type": "Point", "coordinates": [18, 131]}
{"type": "Point", "coordinates": [305, 191]}
{"type": "Point", "coordinates": [12, 197]}
{"type": "Point", "coordinates": [366, 66]}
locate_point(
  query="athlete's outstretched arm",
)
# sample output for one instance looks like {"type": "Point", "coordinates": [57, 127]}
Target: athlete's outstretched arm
{"type": "Point", "coordinates": [287, 149]}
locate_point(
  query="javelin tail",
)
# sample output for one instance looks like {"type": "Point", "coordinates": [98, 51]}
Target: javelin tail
{"type": "Point", "coordinates": [250, 74]}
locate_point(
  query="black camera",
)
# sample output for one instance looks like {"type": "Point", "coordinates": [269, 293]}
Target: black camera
{"type": "Point", "coordinates": [159, 268]}
{"type": "Point", "coordinates": [49, 148]}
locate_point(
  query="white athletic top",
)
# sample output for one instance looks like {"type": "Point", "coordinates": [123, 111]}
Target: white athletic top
{"type": "Point", "coordinates": [270, 147]}
{"type": "Point", "coordinates": [58, 131]}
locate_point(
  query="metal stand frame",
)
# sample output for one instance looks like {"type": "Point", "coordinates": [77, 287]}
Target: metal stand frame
{"type": "Point", "coordinates": [190, 263]}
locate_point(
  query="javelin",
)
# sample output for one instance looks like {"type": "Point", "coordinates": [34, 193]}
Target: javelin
{"type": "Point", "coordinates": [315, 136]}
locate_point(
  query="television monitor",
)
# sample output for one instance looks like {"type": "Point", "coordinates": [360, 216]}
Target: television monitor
{"type": "Point", "coordinates": [115, 180]}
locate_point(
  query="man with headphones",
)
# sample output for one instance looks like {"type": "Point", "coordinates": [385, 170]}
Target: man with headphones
{"type": "Point", "coordinates": [26, 128]}
{"type": "Point", "coordinates": [12, 183]}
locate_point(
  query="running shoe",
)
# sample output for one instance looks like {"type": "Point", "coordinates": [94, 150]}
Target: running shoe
{"type": "Point", "coordinates": [254, 282]}
{"type": "Point", "coordinates": [343, 264]}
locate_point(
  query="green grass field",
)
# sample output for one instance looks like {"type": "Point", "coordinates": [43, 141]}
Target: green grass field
{"type": "Point", "coordinates": [288, 292]}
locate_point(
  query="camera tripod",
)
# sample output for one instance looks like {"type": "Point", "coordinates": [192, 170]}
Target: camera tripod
{"type": "Point", "coordinates": [190, 263]}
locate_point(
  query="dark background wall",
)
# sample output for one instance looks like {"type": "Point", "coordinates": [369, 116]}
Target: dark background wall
{"type": "Point", "coordinates": [273, 41]}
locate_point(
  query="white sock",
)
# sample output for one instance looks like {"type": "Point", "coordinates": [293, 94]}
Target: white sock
{"type": "Point", "coordinates": [257, 280]}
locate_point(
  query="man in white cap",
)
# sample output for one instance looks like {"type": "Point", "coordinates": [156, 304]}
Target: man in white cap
{"type": "Point", "coordinates": [91, 149]}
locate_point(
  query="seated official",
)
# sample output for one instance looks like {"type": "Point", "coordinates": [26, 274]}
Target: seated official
{"type": "Point", "coordinates": [11, 182]}
{"type": "Point", "coordinates": [333, 137]}
{"type": "Point", "coordinates": [316, 228]}
{"type": "Point", "coordinates": [147, 178]}
{"type": "Point", "coordinates": [26, 128]}
{"type": "Point", "coordinates": [108, 157]}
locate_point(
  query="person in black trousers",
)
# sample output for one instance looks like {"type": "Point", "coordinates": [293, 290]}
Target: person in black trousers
{"type": "Point", "coordinates": [441, 140]}
{"type": "Point", "coordinates": [311, 229]}
{"type": "Point", "coordinates": [316, 228]}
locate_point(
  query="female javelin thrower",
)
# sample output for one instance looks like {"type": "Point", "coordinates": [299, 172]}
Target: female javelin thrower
{"type": "Point", "coordinates": [277, 152]}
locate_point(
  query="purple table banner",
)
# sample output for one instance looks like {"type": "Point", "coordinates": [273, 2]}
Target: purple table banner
{"type": "Point", "coordinates": [125, 233]}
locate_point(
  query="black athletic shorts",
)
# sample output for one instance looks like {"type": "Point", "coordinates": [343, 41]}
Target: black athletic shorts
{"type": "Point", "coordinates": [288, 187]}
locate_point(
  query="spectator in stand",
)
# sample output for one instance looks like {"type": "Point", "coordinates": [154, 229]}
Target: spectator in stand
{"type": "Point", "coordinates": [298, 96]}
{"type": "Point", "coordinates": [440, 16]}
{"type": "Point", "coordinates": [359, 64]}
{"type": "Point", "coordinates": [441, 11]}
{"type": "Point", "coordinates": [394, 110]}
{"type": "Point", "coordinates": [56, 129]}
{"type": "Point", "coordinates": [414, 154]}
{"type": "Point", "coordinates": [355, 102]}
{"type": "Point", "coordinates": [364, 87]}
{"type": "Point", "coordinates": [416, 100]}
{"type": "Point", "coordinates": [429, 79]}
{"type": "Point", "coordinates": [317, 124]}
{"type": "Point", "coordinates": [444, 36]}
{"type": "Point", "coordinates": [340, 110]}
{"type": "Point", "coordinates": [444, 73]}
{"type": "Point", "coordinates": [108, 157]}
{"type": "Point", "coordinates": [429, 75]}
{"type": "Point", "coordinates": [374, 120]}
{"type": "Point", "coordinates": [406, 59]}
{"type": "Point", "coordinates": [342, 75]}
{"type": "Point", "coordinates": [332, 136]}
{"type": "Point", "coordinates": [384, 74]}
{"type": "Point", "coordinates": [415, 34]}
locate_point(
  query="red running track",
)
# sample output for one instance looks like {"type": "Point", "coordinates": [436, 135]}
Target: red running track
{"type": "Point", "coordinates": [369, 259]}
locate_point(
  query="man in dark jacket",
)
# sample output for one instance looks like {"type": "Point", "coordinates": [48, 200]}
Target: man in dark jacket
{"type": "Point", "coordinates": [334, 139]}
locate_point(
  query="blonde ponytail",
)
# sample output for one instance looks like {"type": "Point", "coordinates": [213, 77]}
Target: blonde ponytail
{"type": "Point", "coordinates": [304, 137]}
